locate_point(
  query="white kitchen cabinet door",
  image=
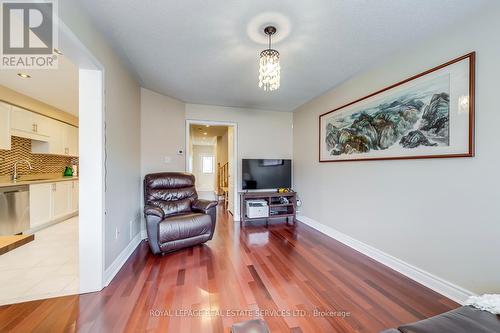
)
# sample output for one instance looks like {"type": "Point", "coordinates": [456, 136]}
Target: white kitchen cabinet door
{"type": "Point", "coordinates": [55, 144]}
{"type": "Point", "coordinates": [26, 124]}
{"type": "Point", "coordinates": [75, 192]}
{"type": "Point", "coordinates": [56, 141]}
{"type": "Point", "coordinates": [70, 139]}
{"type": "Point", "coordinates": [43, 125]}
{"type": "Point", "coordinates": [5, 126]}
{"type": "Point", "coordinates": [61, 197]}
{"type": "Point", "coordinates": [22, 120]}
{"type": "Point", "coordinates": [40, 204]}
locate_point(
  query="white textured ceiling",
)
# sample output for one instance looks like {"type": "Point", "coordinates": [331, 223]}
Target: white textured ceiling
{"type": "Point", "coordinates": [56, 87]}
{"type": "Point", "coordinates": [206, 52]}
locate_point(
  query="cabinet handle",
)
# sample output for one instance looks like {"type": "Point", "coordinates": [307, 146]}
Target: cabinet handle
{"type": "Point", "coordinates": [36, 128]}
{"type": "Point", "coordinates": [33, 127]}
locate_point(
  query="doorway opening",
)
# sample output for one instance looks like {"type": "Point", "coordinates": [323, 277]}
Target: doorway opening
{"type": "Point", "coordinates": [62, 153]}
{"type": "Point", "coordinates": [211, 157]}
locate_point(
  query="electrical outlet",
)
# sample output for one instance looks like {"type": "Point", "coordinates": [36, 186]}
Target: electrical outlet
{"type": "Point", "coordinates": [117, 233]}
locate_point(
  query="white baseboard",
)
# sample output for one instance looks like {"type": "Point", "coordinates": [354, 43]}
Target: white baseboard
{"type": "Point", "coordinates": [115, 267]}
{"type": "Point", "coordinates": [448, 289]}
{"type": "Point", "coordinates": [144, 234]}
{"type": "Point", "coordinates": [50, 223]}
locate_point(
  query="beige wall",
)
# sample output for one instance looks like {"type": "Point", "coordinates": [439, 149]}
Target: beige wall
{"type": "Point", "coordinates": [162, 133]}
{"type": "Point", "coordinates": [122, 116]}
{"type": "Point", "coordinates": [440, 215]}
{"type": "Point", "coordinates": [261, 133]}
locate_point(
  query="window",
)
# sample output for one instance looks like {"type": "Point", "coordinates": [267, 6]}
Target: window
{"type": "Point", "coordinates": [207, 164]}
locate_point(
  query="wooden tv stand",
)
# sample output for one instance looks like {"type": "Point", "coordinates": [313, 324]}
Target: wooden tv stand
{"type": "Point", "coordinates": [276, 209]}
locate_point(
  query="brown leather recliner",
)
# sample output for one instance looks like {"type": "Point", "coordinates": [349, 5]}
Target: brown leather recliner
{"type": "Point", "coordinates": [175, 217]}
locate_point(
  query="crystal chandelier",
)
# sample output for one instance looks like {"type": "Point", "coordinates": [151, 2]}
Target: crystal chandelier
{"type": "Point", "coordinates": [269, 72]}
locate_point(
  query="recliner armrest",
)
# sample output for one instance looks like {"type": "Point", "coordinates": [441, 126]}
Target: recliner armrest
{"type": "Point", "coordinates": [154, 211]}
{"type": "Point", "coordinates": [203, 206]}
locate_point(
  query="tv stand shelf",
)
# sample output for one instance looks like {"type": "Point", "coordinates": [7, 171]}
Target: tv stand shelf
{"type": "Point", "coordinates": [276, 209]}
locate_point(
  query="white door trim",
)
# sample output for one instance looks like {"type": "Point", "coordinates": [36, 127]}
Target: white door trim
{"type": "Point", "coordinates": [190, 122]}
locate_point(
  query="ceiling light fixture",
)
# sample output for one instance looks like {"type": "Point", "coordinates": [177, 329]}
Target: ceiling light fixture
{"type": "Point", "coordinates": [269, 71]}
{"type": "Point", "coordinates": [24, 75]}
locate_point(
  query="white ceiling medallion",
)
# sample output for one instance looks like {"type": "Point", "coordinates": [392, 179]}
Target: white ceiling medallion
{"type": "Point", "coordinates": [269, 69]}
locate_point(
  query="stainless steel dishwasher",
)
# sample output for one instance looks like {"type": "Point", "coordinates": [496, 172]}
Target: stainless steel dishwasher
{"type": "Point", "coordinates": [14, 210]}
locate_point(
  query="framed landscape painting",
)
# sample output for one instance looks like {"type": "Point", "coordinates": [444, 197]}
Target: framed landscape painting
{"type": "Point", "coordinates": [430, 115]}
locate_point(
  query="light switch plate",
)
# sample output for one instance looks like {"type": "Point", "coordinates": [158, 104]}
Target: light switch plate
{"type": "Point", "coordinates": [167, 159]}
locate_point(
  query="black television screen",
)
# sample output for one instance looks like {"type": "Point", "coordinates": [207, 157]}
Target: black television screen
{"type": "Point", "coordinates": [266, 174]}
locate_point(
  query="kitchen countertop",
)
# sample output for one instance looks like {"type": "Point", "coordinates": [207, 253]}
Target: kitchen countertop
{"type": "Point", "coordinates": [5, 181]}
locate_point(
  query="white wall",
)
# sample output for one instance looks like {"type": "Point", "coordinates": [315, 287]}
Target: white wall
{"type": "Point", "coordinates": [440, 215]}
{"type": "Point", "coordinates": [261, 134]}
{"type": "Point", "coordinates": [122, 116]}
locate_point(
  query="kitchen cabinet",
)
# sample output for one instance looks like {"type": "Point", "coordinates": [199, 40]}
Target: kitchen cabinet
{"type": "Point", "coordinates": [61, 199]}
{"type": "Point", "coordinates": [63, 140]}
{"type": "Point", "coordinates": [27, 124]}
{"type": "Point", "coordinates": [5, 126]}
{"type": "Point", "coordinates": [48, 136]}
{"type": "Point", "coordinates": [52, 202]}
{"type": "Point", "coordinates": [40, 204]}
{"type": "Point", "coordinates": [70, 140]}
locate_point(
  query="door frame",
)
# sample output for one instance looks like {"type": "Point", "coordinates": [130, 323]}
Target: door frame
{"type": "Point", "coordinates": [190, 122]}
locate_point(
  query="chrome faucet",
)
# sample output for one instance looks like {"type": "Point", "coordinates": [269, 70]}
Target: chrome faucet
{"type": "Point", "coordinates": [14, 176]}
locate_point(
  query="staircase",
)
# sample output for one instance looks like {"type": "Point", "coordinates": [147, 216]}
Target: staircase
{"type": "Point", "coordinates": [223, 183]}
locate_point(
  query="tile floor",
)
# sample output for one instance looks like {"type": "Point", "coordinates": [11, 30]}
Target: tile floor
{"type": "Point", "coordinates": [44, 268]}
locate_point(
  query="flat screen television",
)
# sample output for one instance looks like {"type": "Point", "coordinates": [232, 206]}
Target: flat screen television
{"type": "Point", "coordinates": [266, 174]}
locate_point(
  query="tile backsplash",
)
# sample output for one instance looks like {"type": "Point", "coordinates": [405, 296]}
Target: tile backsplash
{"type": "Point", "coordinates": [21, 150]}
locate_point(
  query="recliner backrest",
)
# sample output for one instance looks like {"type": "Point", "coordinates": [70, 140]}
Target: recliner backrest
{"type": "Point", "coordinates": [174, 192]}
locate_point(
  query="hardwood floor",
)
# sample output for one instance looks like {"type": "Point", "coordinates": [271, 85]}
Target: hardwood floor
{"type": "Point", "coordinates": [282, 268]}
